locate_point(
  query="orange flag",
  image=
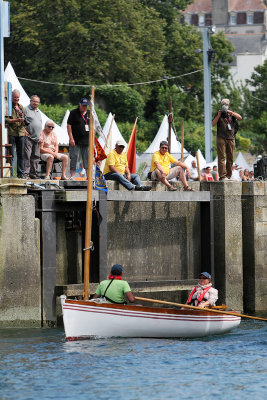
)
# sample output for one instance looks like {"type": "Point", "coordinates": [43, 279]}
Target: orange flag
{"type": "Point", "coordinates": [131, 151]}
{"type": "Point", "coordinates": [99, 152]}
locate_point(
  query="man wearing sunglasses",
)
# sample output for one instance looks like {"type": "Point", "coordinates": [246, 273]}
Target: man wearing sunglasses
{"type": "Point", "coordinates": [116, 169]}
{"type": "Point", "coordinates": [161, 171]}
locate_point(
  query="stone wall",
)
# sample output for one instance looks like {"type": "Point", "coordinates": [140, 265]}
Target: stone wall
{"type": "Point", "coordinates": [154, 241]}
{"type": "Point", "coordinates": [20, 274]}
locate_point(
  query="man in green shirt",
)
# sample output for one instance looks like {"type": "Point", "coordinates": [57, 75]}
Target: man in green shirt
{"type": "Point", "coordinates": [114, 289]}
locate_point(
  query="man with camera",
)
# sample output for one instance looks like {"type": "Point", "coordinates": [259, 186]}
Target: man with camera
{"type": "Point", "coordinates": [225, 121]}
{"type": "Point", "coordinates": [16, 133]}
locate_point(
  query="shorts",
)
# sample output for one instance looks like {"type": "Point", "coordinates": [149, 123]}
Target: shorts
{"type": "Point", "coordinates": [173, 173]}
{"type": "Point", "coordinates": [77, 154]}
{"type": "Point", "coordinates": [45, 156]}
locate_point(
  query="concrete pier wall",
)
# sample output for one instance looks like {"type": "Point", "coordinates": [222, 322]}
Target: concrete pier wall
{"type": "Point", "coordinates": [20, 273]}
{"type": "Point", "coordinates": [159, 239]}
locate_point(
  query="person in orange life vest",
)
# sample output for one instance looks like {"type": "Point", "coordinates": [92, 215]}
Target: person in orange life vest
{"type": "Point", "coordinates": [203, 295]}
{"type": "Point", "coordinates": [114, 289]}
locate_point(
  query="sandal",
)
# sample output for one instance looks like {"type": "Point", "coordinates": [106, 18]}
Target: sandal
{"type": "Point", "coordinates": [189, 189]}
{"type": "Point", "coordinates": [172, 189]}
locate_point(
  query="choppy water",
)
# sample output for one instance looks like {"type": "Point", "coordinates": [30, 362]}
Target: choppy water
{"type": "Point", "coordinates": [40, 364]}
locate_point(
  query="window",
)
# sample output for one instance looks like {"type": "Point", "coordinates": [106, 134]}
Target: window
{"type": "Point", "coordinates": [194, 19]}
{"type": "Point", "coordinates": [241, 18]}
{"type": "Point", "coordinates": [250, 19]}
{"type": "Point", "coordinates": [258, 17]}
{"type": "Point", "coordinates": [233, 19]}
{"type": "Point", "coordinates": [187, 19]}
{"type": "Point", "coordinates": [201, 21]}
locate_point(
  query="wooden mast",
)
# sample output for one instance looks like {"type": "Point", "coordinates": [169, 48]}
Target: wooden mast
{"type": "Point", "coordinates": [170, 127]}
{"type": "Point", "coordinates": [182, 143]}
{"type": "Point", "coordinates": [88, 222]}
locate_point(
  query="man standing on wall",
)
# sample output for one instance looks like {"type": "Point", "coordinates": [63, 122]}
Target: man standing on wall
{"type": "Point", "coordinates": [78, 131]}
{"type": "Point", "coordinates": [16, 133]}
{"type": "Point", "coordinates": [32, 137]}
{"type": "Point", "coordinates": [225, 120]}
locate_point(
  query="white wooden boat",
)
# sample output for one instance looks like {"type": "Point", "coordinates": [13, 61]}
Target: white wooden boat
{"type": "Point", "coordinates": [85, 319]}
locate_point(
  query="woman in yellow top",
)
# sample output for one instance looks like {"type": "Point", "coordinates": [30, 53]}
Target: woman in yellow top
{"type": "Point", "coordinates": [160, 168]}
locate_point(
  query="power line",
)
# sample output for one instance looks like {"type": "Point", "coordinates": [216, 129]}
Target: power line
{"type": "Point", "coordinates": [263, 101]}
{"type": "Point", "coordinates": [110, 85]}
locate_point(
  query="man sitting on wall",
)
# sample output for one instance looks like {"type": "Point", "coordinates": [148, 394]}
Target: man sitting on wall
{"type": "Point", "coordinates": [116, 169]}
{"type": "Point", "coordinates": [161, 171]}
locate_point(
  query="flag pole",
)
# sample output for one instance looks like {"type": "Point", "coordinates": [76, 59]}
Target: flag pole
{"type": "Point", "coordinates": [88, 222]}
{"type": "Point", "coordinates": [170, 118]}
{"type": "Point", "coordinates": [182, 143]}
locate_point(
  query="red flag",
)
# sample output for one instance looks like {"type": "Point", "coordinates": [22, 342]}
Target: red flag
{"type": "Point", "coordinates": [99, 152]}
{"type": "Point", "coordinates": [131, 151]}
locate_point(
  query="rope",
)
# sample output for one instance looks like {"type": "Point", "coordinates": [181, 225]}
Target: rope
{"type": "Point", "coordinates": [263, 101]}
{"type": "Point", "coordinates": [110, 85]}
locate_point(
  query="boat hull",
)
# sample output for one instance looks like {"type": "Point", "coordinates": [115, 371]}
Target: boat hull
{"type": "Point", "coordinates": [84, 319]}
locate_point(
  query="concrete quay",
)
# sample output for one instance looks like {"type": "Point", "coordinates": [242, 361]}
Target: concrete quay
{"type": "Point", "coordinates": [163, 239]}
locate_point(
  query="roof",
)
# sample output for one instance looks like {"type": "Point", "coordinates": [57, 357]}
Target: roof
{"type": "Point", "coordinates": [205, 6]}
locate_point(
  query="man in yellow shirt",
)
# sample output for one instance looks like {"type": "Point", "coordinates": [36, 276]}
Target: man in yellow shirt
{"type": "Point", "coordinates": [116, 169]}
{"type": "Point", "coordinates": [161, 171]}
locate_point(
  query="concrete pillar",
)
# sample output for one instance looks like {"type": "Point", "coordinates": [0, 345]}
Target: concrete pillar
{"type": "Point", "coordinates": [228, 242]}
{"type": "Point", "coordinates": [254, 207]}
{"type": "Point", "coordinates": [20, 289]}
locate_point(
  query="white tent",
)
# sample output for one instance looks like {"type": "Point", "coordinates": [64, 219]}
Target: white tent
{"type": "Point", "coordinates": [162, 134]}
{"type": "Point", "coordinates": [10, 76]}
{"type": "Point", "coordinates": [241, 162]}
{"type": "Point", "coordinates": [64, 121]}
{"type": "Point", "coordinates": [202, 161]}
{"type": "Point", "coordinates": [115, 133]}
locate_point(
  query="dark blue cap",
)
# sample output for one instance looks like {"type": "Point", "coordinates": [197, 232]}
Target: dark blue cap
{"type": "Point", "coordinates": [206, 274]}
{"type": "Point", "coordinates": [84, 101]}
{"type": "Point", "coordinates": [116, 269]}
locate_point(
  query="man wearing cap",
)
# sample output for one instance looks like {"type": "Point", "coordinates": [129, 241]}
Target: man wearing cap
{"type": "Point", "coordinates": [116, 169]}
{"type": "Point", "coordinates": [78, 131]}
{"type": "Point", "coordinates": [161, 171]}
{"type": "Point", "coordinates": [114, 289]}
{"type": "Point", "coordinates": [203, 295]}
{"type": "Point", "coordinates": [225, 119]}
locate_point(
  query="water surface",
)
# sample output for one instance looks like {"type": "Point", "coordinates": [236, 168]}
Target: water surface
{"type": "Point", "coordinates": [40, 364]}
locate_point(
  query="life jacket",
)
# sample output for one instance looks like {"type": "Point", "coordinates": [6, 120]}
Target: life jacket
{"type": "Point", "coordinates": [200, 298]}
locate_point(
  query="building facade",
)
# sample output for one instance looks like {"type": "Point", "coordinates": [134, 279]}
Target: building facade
{"type": "Point", "coordinates": [244, 24]}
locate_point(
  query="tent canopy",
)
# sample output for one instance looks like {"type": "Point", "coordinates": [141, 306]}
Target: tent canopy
{"type": "Point", "coordinates": [161, 135]}
{"type": "Point", "coordinates": [115, 133]}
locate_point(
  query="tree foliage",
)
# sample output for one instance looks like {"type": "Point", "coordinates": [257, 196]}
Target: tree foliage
{"type": "Point", "coordinates": [103, 43]}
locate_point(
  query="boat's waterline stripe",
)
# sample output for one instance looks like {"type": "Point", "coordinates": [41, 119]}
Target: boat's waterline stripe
{"type": "Point", "coordinates": [194, 318]}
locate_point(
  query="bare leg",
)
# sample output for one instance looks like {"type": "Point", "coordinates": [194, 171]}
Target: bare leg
{"type": "Point", "coordinates": [162, 178]}
{"type": "Point", "coordinates": [49, 164]}
{"type": "Point", "coordinates": [65, 160]}
{"type": "Point", "coordinates": [182, 177]}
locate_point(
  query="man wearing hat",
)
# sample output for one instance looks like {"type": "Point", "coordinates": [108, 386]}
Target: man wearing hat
{"type": "Point", "coordinates": [225, 119]}
{"type": "Point", "coordinates": [203, 295]}
{"type": "Point", "coordinates": [161, 171]}
{"type": "Point", "coordinates": [114, 289]}
{"type": "Point", "coordinates": [78, 131]}
{"type": "Point", "coordinates": [116, 169]}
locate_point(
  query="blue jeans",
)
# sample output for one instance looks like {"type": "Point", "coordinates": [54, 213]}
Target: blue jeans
{"type": "Point", "coordinates": [18, 146]}
{"type": "Point", "coordinates": [114, 176]}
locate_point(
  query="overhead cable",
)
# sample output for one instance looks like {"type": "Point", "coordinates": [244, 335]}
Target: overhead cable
{"type": "Point", "coordinates": [112, 85]}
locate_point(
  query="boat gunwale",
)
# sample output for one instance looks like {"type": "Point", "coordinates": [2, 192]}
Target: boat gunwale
{"type": "Point", "coordinates": [141, 308]}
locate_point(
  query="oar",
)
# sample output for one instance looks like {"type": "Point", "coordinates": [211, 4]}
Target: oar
{"type": "Point", "coordinates": [198, 308]}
